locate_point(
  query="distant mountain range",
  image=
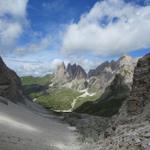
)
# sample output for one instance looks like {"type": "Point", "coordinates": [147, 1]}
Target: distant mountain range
{"type": "Point", "coordinates": [82, 86]}
{"type": "Point", "coordinates": [96, 79]}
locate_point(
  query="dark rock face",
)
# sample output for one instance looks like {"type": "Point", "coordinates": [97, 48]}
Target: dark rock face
{"type": "Point", "coordinates": [102, 68]}
{"type": "Point", "coordinates": [140, 94]}
{"type": "Point", "coordinates": [111, 66]}
{"type": "Point", "coordinates": [10, 84]}
{"type": "Point", "coordinates": [76, 72]}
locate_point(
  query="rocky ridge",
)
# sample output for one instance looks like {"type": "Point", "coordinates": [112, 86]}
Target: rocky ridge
{"type": "Point", "coordinates": [96, 80]}
{"type": "Point", "coordinates": [104, 74]}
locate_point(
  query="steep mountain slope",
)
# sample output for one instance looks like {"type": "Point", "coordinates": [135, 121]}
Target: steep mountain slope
{"type": "Point", "coordinates": [110, 101]}
{"type": "Point", "coordinates": [76, 72]}
{"type": "Point", "coordinates": [140, 94]}
{"type": "Point", "coordinates": [10, 84]}
{"type": "Point", "coordinates": [103, 75]}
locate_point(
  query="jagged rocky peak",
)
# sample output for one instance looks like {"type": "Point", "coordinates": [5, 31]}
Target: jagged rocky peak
{"type": "Point", "coordinates": [76, 72]}
{"type": "Point", "coordinates": [10, 84]}
{"type": "Point", "coordinates": [125, 58]}
{"type": "Point", "coordinates": [71, 72]}
{"type": "Point", "coordinates": [101, 68]}
{"type": "Point", "coordinates": [126, 61]}
{"type": "Point", "coordinates": [112, 65]}
{"type": "Point", "coordinates": [103, 75]}
{"type": "Point", "coordinates": [140, 94]}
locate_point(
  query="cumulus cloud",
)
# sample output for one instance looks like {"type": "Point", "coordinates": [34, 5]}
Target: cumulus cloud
{"type": "Point", "coordinates": [111, 27]}
{"type": "Point", "coordinates": [12, 21]}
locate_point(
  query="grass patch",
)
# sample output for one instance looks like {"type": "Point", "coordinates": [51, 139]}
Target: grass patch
{"type": "Point", "coordinates": [60, 99]}
{"type": "Point", "coordinates": [82, 100]}
{"type": "Point", "coordinates": [30, 80]}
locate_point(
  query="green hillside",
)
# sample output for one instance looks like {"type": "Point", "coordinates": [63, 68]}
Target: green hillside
{"type": "Point", "coordinates": [30, 80]}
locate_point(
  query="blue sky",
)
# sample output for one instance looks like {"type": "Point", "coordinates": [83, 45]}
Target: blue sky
{"type": "Point", "coordinates": [37, 35]}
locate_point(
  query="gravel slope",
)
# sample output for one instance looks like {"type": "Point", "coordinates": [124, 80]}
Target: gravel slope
{"type": "Point", "coordinates": [33, 129]}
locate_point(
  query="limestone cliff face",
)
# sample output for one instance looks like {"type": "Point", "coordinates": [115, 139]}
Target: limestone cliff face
{"type": "Point", "coordinates": [104, 74]}
{"type": "Point", "coordinates": [140, 94]}
{"type": "Point", "coordinates": [71, 72]}
{"type": "Point", "coordinates": [10, 84]}
{"type": "Point", "coordinates": [70, 76]}
{"type": "Point", "coordinates": [76, 72]}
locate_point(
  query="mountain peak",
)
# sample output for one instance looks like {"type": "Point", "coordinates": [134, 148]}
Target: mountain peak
{"type": "Point", "coordinates": [71, 72]}
{"type": "Point", "coordinates": [76, 71]}
{"type": "Point", "coordinates": [62, 65]}
{"type": "Point", "coordinates": [61, 71]}
{"type": "Point", "coordinates": [125, 58]}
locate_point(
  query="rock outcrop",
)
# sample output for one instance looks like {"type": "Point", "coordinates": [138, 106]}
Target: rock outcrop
{"type": "Point", "coordinates": [103, 75]}
{"type": "Point", "coordinates": [10, 84]}
{"type": "Point", "coordinates": [140, 94]}
{"type": "Point", "coordinates": [76, 72]}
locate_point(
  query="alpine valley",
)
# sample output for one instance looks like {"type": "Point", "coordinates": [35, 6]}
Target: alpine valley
{"type": "Point", "coordinates": [71, 87]}
{"type": "Point", "coordinates": [107, 108]}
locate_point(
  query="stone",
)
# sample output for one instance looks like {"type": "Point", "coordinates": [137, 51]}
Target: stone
{"type": "Point", "coordinates": [140, 94]}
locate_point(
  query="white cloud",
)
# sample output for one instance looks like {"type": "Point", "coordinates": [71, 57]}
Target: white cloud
{"type": "Point", "coordinates": [13, 7]}
{"type": "Point", "coordinates": [34, 69]}
{"type": "Point", "coordinates": [111, 27]}
{"type": "Point", "coordinates": [12, 21]}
